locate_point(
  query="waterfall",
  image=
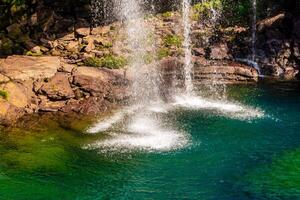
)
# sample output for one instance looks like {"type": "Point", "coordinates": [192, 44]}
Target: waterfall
{"type": "Point", "coordinates": [188, 65]}
{"type": "Point", "coordinates": [145, 78]}
{"type": "Point", "coordinates": [252, 60]}
{"type": "Point", "coordinates": [253, 39]}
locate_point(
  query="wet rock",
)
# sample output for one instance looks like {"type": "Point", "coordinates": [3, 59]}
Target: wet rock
{"type": "Point", "coordinates": [207, 71]}
{"type": "Point", "coordinates": [219, 52]}
{"type": "Point", "coordinates": [100, 30]}
{"type": "Point", "coordinates": [9, 113]}
{"type": "Point", "coordinates": [270, 22]}
{"type": "Point", "coordinates": [50, 106]}
{"type": "Point", "coordinates": [296, 30]}
{"type": "Point", "coordinates": [290, 73]}
{"type": "Point", "coordinates": [225, 72]}
{"type": "Point", "coordinates": [198, 51]}
{"type": "Point", "coordinates": [58, 88]}
{"type": "Point", "coordinates": [90, 106]}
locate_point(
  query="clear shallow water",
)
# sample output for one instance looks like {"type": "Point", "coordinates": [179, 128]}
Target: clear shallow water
{"type": "Point", "coordinates": [224, 157]}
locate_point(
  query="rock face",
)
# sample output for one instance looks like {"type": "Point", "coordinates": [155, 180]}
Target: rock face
{"type": "Point", "coordinates": [23, 68]}
{"type": "Point", "coordinates": [58, 88]}
{"type": "Point", "coordinates": [46, 84]}
{"type": "Point", "coordinates": [207, 71]}
{"type": "Point", "coordinates": [224, 72]}
{"type": "Point", "coordinates": [278, 45]}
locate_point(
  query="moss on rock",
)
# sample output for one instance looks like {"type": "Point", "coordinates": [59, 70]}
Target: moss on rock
{"type": "Point", "coordinates": [109, 61]}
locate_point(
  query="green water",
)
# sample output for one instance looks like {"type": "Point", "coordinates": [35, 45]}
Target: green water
{"type": "Point", "coordinates": [225, 158]}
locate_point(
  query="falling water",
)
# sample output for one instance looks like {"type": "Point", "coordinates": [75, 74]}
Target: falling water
{"type": "Point", "coordinates": [252, 61]}
{"type": "Point", "coordinates": [253, 38]}
{"type": "Point", "coordinates": [145, 124]}
{"type": "Point", "coordinates": [254, 20]}
{"type": "Point", "coordinates": [188, 66]}
{"type": "Point", "coordinates": [145, 78]}
{"type": "Point", "coordinates": [142, 124]}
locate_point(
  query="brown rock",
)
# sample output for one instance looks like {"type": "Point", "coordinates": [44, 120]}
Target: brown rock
{"type": "Point", "coordinates": [3, 79]}
{"type": "Point", "coordinates": [89, 106]}
{"type": "Point", "coordinates": [270, 22]}
{"type": "Point", "coordinates": [83, 31]}
{"type": "Point", "coordinates": [66, 68]}
{"type": "Point", "coordinates": [219, 52]}
{"type": "Point", "coordinates": [90, 46]}
{"type": "Point", "coordinates": [72, 46]}
{"type": "Point", "coordinates": [9, 113]}
{"type": "Point", "coordinates": [58, 88]}
{"type": "Point", "coordinates": [100, 30]}
{"type": "Point", "coordinates": [50, 106]}
{"type": "Point", "coordinates": [92, 80]}
{"type": "Point", "coordinates": [16, 94]}
{"type": "Point", "coordinates": [22, 68]}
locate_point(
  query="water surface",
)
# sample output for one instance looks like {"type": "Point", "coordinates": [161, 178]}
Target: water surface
{"type": "Point", "coordinates": [200, 153]}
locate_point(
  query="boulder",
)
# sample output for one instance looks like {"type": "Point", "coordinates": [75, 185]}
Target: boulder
{"type": "Point", "coordinates": [82, 32]}
{"type": "Point", "coordinates": [22, 68]}
{"type": "Point", "coordinates": [72, 46]}
{"type": "Point", "coordinates": [58, 88]}
{"type": "Point", "coordinates": [92, 80]}
{"type": "Point", "coordinates": [9, 113]}
{"type": "Point", "coordinates": [16, 94]}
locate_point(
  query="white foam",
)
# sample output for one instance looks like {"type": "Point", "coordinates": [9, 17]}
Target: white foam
{"type": "Point", "coordinates": [229, 109]}
{"type": "Point", "coordinates": [105, 124]}
{"type": "Point", "coordinates": [144, 133]}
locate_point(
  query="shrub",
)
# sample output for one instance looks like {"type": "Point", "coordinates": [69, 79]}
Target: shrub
{"type": "Point", "coordinates": [110, 61]}
{"type": "Point", "coordinates": [172, 40]}
{"type": "Point", "coordinates": [148, 58]}
{"type": "Point", "coordinates": [167, 14]}
{"type": "Point", "coordinates": [3, 94]}
{"type": "Point", "coordinates": [163, 52]}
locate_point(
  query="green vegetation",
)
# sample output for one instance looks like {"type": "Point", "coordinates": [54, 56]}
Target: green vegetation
{"type": "Point", "coordinates": [110, 61]}
{"type": "Point", "coordinates": [3, 94]}
{"type": "Point", "coordinates": [167, 14]}
{"type": "Point", "coordinates": [173, 40]}
{"type": "Point", "coordinates": [204, 9]}
{"type": "Point", "coordinates": [30, 53]}
{"type": "Point", "coordinates": [14, 2]}
{"type": "Point", "coordinates": [149, 58]}
{"type": "Point", "coordinates": [163, 52]}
